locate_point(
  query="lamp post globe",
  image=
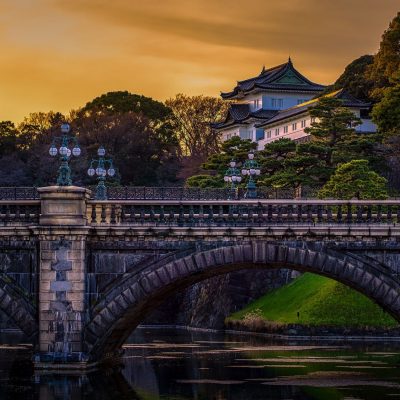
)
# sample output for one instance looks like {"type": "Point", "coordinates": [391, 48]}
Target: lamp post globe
{"type": "Point", "coordinates": [64, 141]}
{"type": "Point", "coordinates": [251, 169]}
{"type": "Point", "coordinates": [76, 151]}
{"type": "Point", "coordinates": [232, 177]}
{"type": "Point", "coordinates": [63, 150]}
{"type": "Point", "coordinates": [111, 172]}
{"type": "Point", "coordinates": [99, 171]}
{"type": "Point", "coordinates": [53, 150]}
{"type": "Point", "coordinates": [91, 171]}
{"type": "Point", "coordinates": [99, 167]}
{"type": "Point", "coordinates": [65, 128]}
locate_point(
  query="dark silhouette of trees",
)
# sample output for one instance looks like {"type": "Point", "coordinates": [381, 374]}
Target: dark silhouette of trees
{"type": "Point", "coordinates": [387, 61]}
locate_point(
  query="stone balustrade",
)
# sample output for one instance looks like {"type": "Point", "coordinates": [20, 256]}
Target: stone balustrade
{"type": "Point", "coordinates": [242, 212]}
{"type": "Point", "coordinates": [19, 212]}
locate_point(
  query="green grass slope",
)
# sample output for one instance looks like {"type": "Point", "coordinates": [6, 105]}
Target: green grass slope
{"type": "Point", "coordinates": [319, 301]}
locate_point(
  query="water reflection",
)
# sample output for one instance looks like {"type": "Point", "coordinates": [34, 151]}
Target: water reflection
{"type": "Point", "coordinates": [179, 365]}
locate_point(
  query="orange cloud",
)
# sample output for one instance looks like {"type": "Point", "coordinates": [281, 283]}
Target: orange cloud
{"type": "Point", "coordinates": [59, 54]}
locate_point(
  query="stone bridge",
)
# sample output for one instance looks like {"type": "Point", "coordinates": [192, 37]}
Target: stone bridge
{"type": "Point", "coordinates": [78, 275]}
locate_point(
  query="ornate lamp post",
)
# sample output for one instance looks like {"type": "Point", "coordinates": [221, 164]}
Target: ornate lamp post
{"type": "Point", "coordinates": [251, 169]}
{"type": "Point", "coordinates": [64, 172]}
{"type": "Point", "coordinates": [232, 175]}
{"type": "Point", "coordinates": [101, 171]}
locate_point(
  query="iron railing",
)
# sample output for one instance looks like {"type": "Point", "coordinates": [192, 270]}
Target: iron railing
{"type": "Point", "coordinates": [184, 193]}
{"type": "Point", "coordinates": [169, 193]}
{"type": "Point", "coordinates": [19, 193]}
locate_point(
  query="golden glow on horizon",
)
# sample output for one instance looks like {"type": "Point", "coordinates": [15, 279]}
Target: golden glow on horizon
{"type": "Point", "coordinates": [59, 54]}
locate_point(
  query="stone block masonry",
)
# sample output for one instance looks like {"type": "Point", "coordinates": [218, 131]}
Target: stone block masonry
{"type": "Point", "coordinates": [77, 289]}
{"type": "Point", "coordinates": [61, 278]}
{"type": "Point", "coordinates": [62, 299]}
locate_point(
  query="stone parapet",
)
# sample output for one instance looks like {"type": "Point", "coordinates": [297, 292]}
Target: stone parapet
{"type": "Point", "coordinates": [63, 205]}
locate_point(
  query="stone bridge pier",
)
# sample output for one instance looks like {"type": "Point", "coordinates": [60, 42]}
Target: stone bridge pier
{"type": "Point", "coordinates": [62, 234]}
{"type": "Point", "coordinates": [78, 275]}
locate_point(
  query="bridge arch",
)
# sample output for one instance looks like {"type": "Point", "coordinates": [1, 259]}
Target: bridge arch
{"type": "Point", "coordinates": [124, 306]}
{"type": "Point", "coordinates": [15, 304]}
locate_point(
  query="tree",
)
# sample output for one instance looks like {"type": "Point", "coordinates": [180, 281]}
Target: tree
{"type": "Point", "coordinates": [121, 102]}
{"type": "Point", "coordinates": [353, 79]}
{"type": "Point", "coordinates": [140, 154]}
{"type": "Point", "coordinates": [205, 181]}
{"type": "Point", "coordinates": [284, 165]}
{"type": "Point", "coordinates": [193, 118]}
{"type": "Point", "coordinates": [137, 131]}
{"type": "Point", "coordinates": [232, 149]}
{"type": "Point", "coordinates": [273, 157]}
{"type": "Point", "coordinates": [333, 140]}
{"type": "Point", "coordinates": [387, 61]}
{"type": "Point", "coordinates": [332, 123]}
{"type": "Point", "coordinates": [36, 125]}
{"type": "Point", "coordinates": [386, 113]}
{"type": "Point", "coordinates": [8, 138]}
{"type": "Point", "coordinates": [158, 115]}
{"type": "Point", "coordinates": [355, 180]}
{"type": "Point", "coordinates": [13, 168]}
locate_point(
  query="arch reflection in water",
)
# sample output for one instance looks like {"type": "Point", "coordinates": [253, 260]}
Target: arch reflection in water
{"type": "Point", "coordinates": [168, 364]}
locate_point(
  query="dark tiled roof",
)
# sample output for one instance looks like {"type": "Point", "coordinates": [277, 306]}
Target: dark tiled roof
{"type": "Point", "coordinates": [270, 79]}
{"type": "Point", "coordinates": [240, 113]}
{"type": "Point", "coordinates": [347, 99]}
{"type": "Point", "coordinates": [263, 113]}
{"type": "Point", "coordinates": [293, 88]}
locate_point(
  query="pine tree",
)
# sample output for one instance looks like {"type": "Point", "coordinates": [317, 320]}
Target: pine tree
{"type": "Point", "coordinates": [387, 61]}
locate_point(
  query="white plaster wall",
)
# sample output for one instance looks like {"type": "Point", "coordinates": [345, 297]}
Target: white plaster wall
{"type": "Point", "coordinates": [289, 100]}
{"type": "Point", "coordinates": [366, 126]}
{"type": "Point", "coordinates": [249, 99]}
{"type": "Point", "coordinates": [229, 133]}
{"type": "Point", "coordinates": [247, 132]}
{"type": "Point", "coordinates": [293, 134]}
{"type": "Point", "coordinates": [356, 111]}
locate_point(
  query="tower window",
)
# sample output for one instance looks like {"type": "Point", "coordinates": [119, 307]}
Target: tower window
{"type": "Point", "coordinates": [277, 103]}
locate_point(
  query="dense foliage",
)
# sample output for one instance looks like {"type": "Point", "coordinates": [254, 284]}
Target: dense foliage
{"type": "Point", "coordinates": [193, 116]}
{"type": "Point", "coordinates": [354, 79]}
{"type": "Point", "coordinates": [135, 130]}
{"type": "Point", "coordinates": [387, 61]}
{"type": "Point", "coordinates": [355, 180]}
{"type": "Point", "coordinates": [386, 114]}
{"type": "Point", "coordinates": [232, 149]}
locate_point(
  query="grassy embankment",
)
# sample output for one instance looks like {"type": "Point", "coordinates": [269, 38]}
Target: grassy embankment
{"type": "Point", "coordinates": [320, 302]}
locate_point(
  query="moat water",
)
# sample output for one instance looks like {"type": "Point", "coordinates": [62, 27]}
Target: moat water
{"type": "Point", "coordinates": [171, 364]}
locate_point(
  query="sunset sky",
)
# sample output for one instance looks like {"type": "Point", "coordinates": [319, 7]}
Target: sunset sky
{"type": "Point", "coordinates": [59, 54]}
